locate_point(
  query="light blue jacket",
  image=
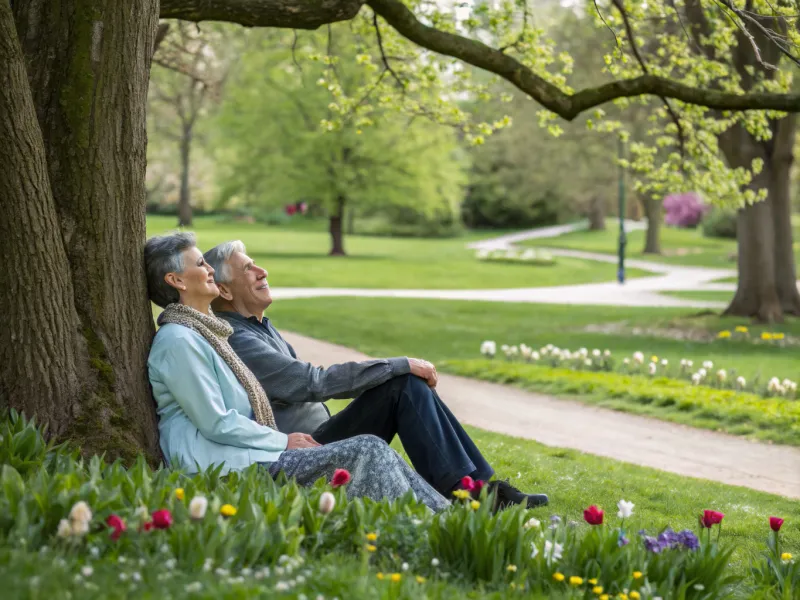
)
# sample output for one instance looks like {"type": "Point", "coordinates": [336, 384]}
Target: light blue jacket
{"type": "Point", "coordinates": [204, 413]}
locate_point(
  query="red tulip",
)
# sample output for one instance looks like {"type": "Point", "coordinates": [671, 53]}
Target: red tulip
{"type": "Point", "coordinates": [162, 519]}
{"type": "Point", "coordinates": [467, 483]}
{"type": "Point", "coordinates": [148, 526]}
{"type": "Point", "coordinates": [478, 486]}
{"type": "Point", "coordinates": [711, 518]}
{"type": "Point", "coordinates": [118, 525]}
{"type": "Point", "coordinates": [775, 523]}
{"type": "Point", "coordinates": [340, 477]}
{"type": "Point", "coordinates": [593, 515]}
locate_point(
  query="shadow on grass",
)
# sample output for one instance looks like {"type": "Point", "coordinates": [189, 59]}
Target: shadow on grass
{"type": "Point", "coordinates": [315, 255]}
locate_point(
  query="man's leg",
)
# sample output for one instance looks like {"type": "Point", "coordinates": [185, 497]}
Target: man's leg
{"type": "Point", "coordinates": [439, 448]}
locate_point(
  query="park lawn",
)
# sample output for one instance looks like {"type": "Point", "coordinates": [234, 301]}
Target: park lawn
{"type": "Point", "coordinates": [710, 296]}
{"type": "Point", "coordinates": [687, 247]}
{"type": "Point", "coordinates": [297, 257]}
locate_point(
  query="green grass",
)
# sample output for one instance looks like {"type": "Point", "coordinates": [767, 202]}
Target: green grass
{"type": "Point", "coordinates": [679, 246]}
{"type": "Point", "coordinates": [711, 296]}
{"type": "Point", "coordinates": [297, 257]}
{"type": "Point", "coordinates": [448, 330]}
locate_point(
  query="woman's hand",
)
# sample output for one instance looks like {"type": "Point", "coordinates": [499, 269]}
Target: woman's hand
{"type": "Point", "coordinates": [301, 440]}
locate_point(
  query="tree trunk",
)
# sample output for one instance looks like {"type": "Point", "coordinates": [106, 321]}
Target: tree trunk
{"type": "Point", "coordinates": [652, 211]}
{"type": "Point", "coordinates": [185, 201]}
{"type": "Point", "coordinates": [337, 239]}
{"type": "Point", "coordinates": [89, 326]}
{"type": "Point", "coordinates": [597, 214]}
{"type": "Point", "coordinates": [351, 221]}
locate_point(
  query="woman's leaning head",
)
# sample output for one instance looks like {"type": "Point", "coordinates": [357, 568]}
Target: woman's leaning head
{"type": "Point", "coordinates": [177, 272]}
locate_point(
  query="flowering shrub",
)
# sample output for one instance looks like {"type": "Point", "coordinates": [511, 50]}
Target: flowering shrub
{"type": "Point", "coordinates": [530, 256]}
{"type": "Point", "coordinates": [683, 210]}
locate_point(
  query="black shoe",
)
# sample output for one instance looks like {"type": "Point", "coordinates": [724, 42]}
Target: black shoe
{"type": "Point", "coordinates": [506, 495]}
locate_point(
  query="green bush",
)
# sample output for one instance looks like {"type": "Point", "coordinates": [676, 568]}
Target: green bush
{"type": "Point", "coordinates": [720, 223]}
{"type": "Point", "coordinates": [491, 203]}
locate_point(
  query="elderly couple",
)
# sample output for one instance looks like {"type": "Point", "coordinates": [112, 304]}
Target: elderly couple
{"type": "Point", "coordinates": [231, 390]}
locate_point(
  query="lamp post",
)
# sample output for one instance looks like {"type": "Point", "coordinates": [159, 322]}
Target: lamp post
{"type": "Point", "coordinates": [622, 238]}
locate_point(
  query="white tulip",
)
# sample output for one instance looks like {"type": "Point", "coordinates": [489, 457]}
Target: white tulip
{"type": "Point", "coordinates": [741, 382]}
{"type": "Point", "coordinates": [664, 362]}
{"type": "Point", "coordinates": [626, 361]}
{"type": "Point", "coordinates": [198, 507]}
{"type": "Point", "coordinates": [552, 551]}
{"type": "Point", "coordinates": [702, 372]}
{"type": "Point", "coordinates": [327, 502]}
{"type": "Point", "coordinates": [722, 374]}
{"type": "Point", "coordinates": [532, 523]}
{"type": "Point", "coordinates": [708, 365]}
{"type": "Point", "coordinates": [638, 357]}
{"type": "Point", "coordinates": [606, 353]}
{"type": "Point", "coordinates": [625, 509]}
{"type": "Point", "coordinates": [652, 368]}
{"type": "Point", "coordinates": [596, 353]}
{"type": "Point", "coordinates": [64, 528]}
{"type": "Point", "coordinates": [534, 550]}
{"type": "Point", "coordinates": [80, 512]}
{"type": "Point", "coordinates": [488, 348]}
{"type": "Point", "coordinates": [535, 356]}
{"type": "Point", "coordinates": [697, 378]}
{"type": "Point", "coordinates": [588, 362]}
{"type": "Point", "coordinates": [80, 528]}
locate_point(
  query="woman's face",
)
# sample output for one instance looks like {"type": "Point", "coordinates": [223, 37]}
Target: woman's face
{"type": "Point", "coordinates": [197, 280]}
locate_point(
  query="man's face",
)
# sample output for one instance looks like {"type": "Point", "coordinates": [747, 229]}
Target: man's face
{"type": "Point", "coordinates": [248, 285]}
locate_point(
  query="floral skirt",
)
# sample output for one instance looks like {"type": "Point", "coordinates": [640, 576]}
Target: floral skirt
{"type": "Point", "coordinates": [377, 471]}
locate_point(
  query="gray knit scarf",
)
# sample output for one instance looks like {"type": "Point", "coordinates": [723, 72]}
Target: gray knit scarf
{"type": "Point", "coordinates": [216, 332]}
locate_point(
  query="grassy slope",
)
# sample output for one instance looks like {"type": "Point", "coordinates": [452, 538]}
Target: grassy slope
{"type": "Point", "coordinates": [298, 258]}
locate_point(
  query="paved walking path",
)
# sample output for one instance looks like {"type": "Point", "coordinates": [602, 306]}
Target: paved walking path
{"type": "Point", "coordinates": [630, 438]}
{"type": "Point", "coordinates": [642, 291]}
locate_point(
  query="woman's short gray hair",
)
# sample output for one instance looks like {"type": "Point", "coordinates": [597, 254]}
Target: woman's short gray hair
{"type": "Point", "coordinates": [219, 256]}
{"type": "Point", "coordinates": [164, 254]}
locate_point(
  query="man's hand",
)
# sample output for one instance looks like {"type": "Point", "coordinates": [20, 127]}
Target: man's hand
{"type": "Point", "coordinates": [301, 440]}
{"type": "Point", "coordinates": [424, 370]}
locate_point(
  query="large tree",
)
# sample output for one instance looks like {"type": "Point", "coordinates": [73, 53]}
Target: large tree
{"type": "Point", "coordinates": [73, 91]}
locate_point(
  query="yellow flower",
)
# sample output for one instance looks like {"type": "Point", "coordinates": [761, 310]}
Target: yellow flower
{"type": "Point", "coordinates": [575, 580]}
{"type": "Point", "coordinates": [623, 596]}
{"type": "Point", "coordinates": [766, 335]}
{"type": "Point", "coordinates": [227, 510]}
{"type": "Point", "coordinates": [179, 493]}
{"type": "Point", "coordinates": [371, 548]}
{"type": "Point", "coordinates": [724, 334]}
{"type": "Point", "coordinates": [420, 579]}
{"type": "Point", "coordinates": [786, 556]}
{"type": "Point", "coordinates": [558, 576]}
{"type": "Point", "coordinates": [396, 577]}
{"type": "Point", "coordinates": [461, 494]}
{"type": "Point", "coordinates": [371, 537]}
{"type": "Point", "coordinates": [512, 585]}
{"type": "Point", "coordinates": [634, 595]}
{"type": "Point", "coordinates": [380, 576]}
{"type": "Point", "coordinates": [741, 329]}
{"type": "Point", "coordinates": [598, 589]}
{"type": "Point", "coordinates": [777, 336]}
{"type": "Point", "coordinates": [512, 568]}
{"type": "Point", "coordinates": [637, 574]}
{"type": "Point", "coordinates": [604, 597]}
{"type": "Point", "coordinates": [592, 581]}
{"type": "Point", "coordinates": [654, 358]}
{"type": "Point", "coordinates": [475, 505]}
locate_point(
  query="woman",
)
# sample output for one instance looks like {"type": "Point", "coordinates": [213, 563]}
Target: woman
{"type": "Point", "coordinates": [213, 410]}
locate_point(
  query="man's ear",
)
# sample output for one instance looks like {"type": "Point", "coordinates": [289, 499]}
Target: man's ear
{"type": "Point", "coordinates": [175, 281]}
{"type": "Point", "coordinates": [224, 291]}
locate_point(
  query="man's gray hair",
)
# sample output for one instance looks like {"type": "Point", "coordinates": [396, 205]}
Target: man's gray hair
{"type": "Point", "coordinates": [164, 254]}
{"type": "Point", "coordinates": [219, 256]}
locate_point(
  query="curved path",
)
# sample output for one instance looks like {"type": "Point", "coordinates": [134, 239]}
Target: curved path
{"type": "Point", "coordinates": [642, 291]}
{"type": "Point", "coordinates": [630, 438]}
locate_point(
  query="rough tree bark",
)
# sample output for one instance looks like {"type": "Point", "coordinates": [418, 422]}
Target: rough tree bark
{"type": "Point", "coordinates": [652, 211]}
{"type": "Point", "coordinates": [335, 228]}
{"type": "Point", "coordinates": [88, 68]}
{"type": "Point", "coordinates": [185, 198]}
{"type": "Point", "coordinates": [597, 213]}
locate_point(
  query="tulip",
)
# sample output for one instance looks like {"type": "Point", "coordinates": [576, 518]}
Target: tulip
{"type": "Point", "coordinates": [118, 525]}
{"type": "Point", "coordinates": [80, 512]}
{"type": "Point", "coordinates": [340, 477]}
{"type": "Point", "coordinates": [467, 483]}
{"type": "Point", "coordinates": [625, 509]}
{"type": "Point", "coordinates": [775, 523]}
{"type": "Point", "coordinates": [327, 502]}
{"type": "Point", "coordinates": [593, 515]}
{"type": "Point", "coordinates": [162, 519]}
{"type": "Point", "coordinates": [711, 518]}
{"type": "Point", "coordinates": [198, 507]}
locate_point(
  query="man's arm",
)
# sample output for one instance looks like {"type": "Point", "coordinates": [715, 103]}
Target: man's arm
{"type": "Point", "coordinates": [289, 379]}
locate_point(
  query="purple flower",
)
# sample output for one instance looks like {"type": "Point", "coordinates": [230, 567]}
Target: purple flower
{"type": "Point", "coordinates": [555, 519]}
{"type": "Point", "coordinates": [668, 539]}
{"type": "Point", "coordinates": [689, 539]}
{"type": "Point", "coordinates": [652, 544]}
{"type": "Point", "coordinates": [623, 541]}
{"type": "Point", "coordinates": [683, 210]}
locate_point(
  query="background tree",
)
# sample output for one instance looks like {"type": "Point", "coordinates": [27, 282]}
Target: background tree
{"type": "Point", "coordinates": [278, 144]}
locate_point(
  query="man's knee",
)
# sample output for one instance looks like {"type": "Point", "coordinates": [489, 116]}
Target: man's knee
{"type": "Point", "coordinates": [371, 443]}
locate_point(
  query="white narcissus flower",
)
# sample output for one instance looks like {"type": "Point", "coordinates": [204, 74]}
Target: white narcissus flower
{"type": "Point", "coordinates": [552, 552]}
{"type": "Point", "coordinates": [535, 356]}
{"type": "Point", "coordinates": [488, 348]}
{"type": "Point", "coordinates": [327, 502]}
{"type": "Point", "coordinates": [638, 357]}
{"type": "Point", "coordinates": [534, 550]}
{"type": "Point", "coordinates": [722, 374]}
{"type": "Point", "coordinates": [697, 378]}
{"type": "Point", "coordinates": [652, 368]}
{"type": "Point", "coordinates": [708, 365]}
{"type": "Point", "coordinates": [702, 372]}
{"type": "Point", "coordinates": [741, 382]}
{"type": "Point", "coordinates": [198, 507]}
{"type": "Point", "coordinates": [80, 512]}
{"type": "Point", "coordinates": [596, 353]}
{"type": "Point", "coordinates": [606, 353]}
{"type": "Point", "coordinates": [625, 509]}
{"type": "Point", "coordinates": [664, 362]}
{"type": "Point", "coordinates": [588, 362]}
{"type": "Point", "coordinates": [64, 528]}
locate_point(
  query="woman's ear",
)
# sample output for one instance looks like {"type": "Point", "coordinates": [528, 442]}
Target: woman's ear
{"type": "Point", "coordinates": [175, 281]}
{"type": "Point", "coordinates": [224, 291]}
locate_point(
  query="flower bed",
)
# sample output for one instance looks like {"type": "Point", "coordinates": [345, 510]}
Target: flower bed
{"type": "Point", "coordinates": [530, 256]}
{"type": "Point", "coordinates": [706, 374]}
{"type": "Point", "coordinates": [775, 419]}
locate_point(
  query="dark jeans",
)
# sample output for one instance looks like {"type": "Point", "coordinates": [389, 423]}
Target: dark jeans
{"type": "Point", "coordinates": [439, 448]}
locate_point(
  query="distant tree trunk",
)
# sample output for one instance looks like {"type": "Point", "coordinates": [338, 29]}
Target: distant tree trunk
{"type": "Point", "coordinates": [652, 211]}
{"type": "Point", "coordinates": [78, 324]}
{"type": "Point", "coordinates": [337, 239]}
{"type": "Point", "coordinates": [351, 221]}
{"type": "Point", "coordinates": [185, 199]}
{"type": "Point", "coordinates": [597, 213]}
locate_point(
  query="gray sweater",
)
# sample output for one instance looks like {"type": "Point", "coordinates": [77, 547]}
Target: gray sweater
{"type": "Point", "coordinates": [297, 389]}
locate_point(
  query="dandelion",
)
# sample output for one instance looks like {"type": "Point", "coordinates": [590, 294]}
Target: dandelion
{"type": "Point", "coordinates": [637, 575]}
{"type": "Point", "coordinates": [634, 595]}
{"type": "Point", "coordinates": [741, 329]}
{"type": "Point", "coordinates": [327, 502]}
{"type": "Point", "coordinates": [766, 336]}
{"type": "Point", "coordinates": [777, 336]}
{"type": "Point", "coordinates": [371, 548]}
{"type": "Point", "coordinates": [558, 576]}
{"type": "Point", "coordinates": [197, 507]}
{"type": "Point", "coordinates": [603, 597]}
{"type": "Point", "coordinates": [371, 537]}
{"type": "Point", "coordinates": [724, 334]}
{"type": "Point", "coordinates": [592, 581]}
{"type": "Point", "coordinates": [654, 359]}
{"type": "Point", "coordinates": [380, 576]}
{"type": "Point", "coordinates": [575, 580]}
{"type": "Point", "coordinates": [475, 505]}
{"type": "Point", "coordinates": [598, 589]}
{"type": "Point", "coordinates": [396, 577]}
{"type": "Point", "coordinates": [786, 557]}
{"type": "Point", "coordinates": [179, 494]}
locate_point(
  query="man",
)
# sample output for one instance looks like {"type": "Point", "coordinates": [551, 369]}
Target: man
{"type": "Point", "coordinates": [392, 396]}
